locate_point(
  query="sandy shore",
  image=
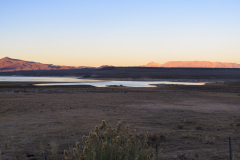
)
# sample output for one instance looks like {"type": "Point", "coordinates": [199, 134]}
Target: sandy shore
{"type": "Point", "coordinates": [193, 122]}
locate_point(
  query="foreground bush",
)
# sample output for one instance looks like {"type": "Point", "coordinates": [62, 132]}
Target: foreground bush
{"type": "Point", "coordinates": [107, 143]}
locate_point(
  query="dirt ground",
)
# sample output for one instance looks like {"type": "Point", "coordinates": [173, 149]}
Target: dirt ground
{"type": "Point", "coordinates": [188, 122]}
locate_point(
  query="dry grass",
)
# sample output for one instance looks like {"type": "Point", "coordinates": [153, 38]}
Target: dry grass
{"type": "Point", "coordinates": [6, 144]}
{"type": "Point", "coordinates": [113, 144]}
{"type": "Point", "coordinates": [43, 144]}
{"type": "Point", "coordinates": [160, 110]}
{"type": "Point", "coordinates": [54, 147]}
{"type": "Point", "coordinates": [208, 139]}
{"type": "Point", "coordinates": [14, 152]}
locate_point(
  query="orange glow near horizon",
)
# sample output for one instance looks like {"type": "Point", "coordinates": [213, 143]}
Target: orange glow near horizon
{"type": "Point", "coordinates": [120, 33]}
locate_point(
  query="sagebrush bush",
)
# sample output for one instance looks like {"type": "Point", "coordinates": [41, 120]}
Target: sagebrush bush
{"type": "Point", "coordinates": [107, 143]}
{"type": "Point", "coordinates": [54, 147]}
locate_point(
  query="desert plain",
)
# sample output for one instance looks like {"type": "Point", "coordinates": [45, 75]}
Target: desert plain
{"type": "Point", "coordinates": [187, 122]}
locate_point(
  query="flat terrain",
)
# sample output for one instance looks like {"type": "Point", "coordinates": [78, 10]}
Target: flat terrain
{"type": "Point", "coordinates": [188, 122]}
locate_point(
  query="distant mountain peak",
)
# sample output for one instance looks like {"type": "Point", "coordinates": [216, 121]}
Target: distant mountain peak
{"type": "Point", "coordinates": [153, 64]}
{"type": "Point", "coordinates": [6, 58]}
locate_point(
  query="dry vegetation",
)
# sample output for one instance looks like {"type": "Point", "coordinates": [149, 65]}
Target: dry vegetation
{"type": "Point", "coordinates": [114, 144]}
{"type": "Point", "coordinates": [185, 122]}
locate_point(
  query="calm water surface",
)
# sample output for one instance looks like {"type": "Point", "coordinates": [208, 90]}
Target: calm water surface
{"type": "Point", "coordinates": [53, 81]}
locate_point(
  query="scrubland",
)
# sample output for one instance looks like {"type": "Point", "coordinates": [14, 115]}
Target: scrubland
{"type": "Point", "coordinates": [187, 122]}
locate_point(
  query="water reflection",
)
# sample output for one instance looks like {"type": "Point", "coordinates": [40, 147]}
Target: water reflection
{"type": "Point", "coordinates": [58, 81]}
{"type": "Point", "coordinates": [124, 83]}
{"type": "Point", "coordinates": [43, 79]}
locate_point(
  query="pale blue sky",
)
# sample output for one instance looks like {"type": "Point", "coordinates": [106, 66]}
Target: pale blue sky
{"type": "Point", "coordinates": [121, 33]}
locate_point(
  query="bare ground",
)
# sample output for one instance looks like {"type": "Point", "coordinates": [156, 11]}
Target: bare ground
{"type": "Point", "coordinates": [190, 122]}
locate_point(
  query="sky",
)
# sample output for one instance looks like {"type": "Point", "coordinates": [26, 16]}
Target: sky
{"type": "Point", "coordinates": [120, 32]}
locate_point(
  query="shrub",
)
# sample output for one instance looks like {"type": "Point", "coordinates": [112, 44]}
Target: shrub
{"type": "Point", "coordinates": [199, 128]}
{"type": "Point", "coordinates": [107, 143]}
{"type": "Point", "coordinates": [54, 147]}
{"type": "Point", "coordinates": [208, 139]}
{"type": "Point", "coordinates": [6, 144]}
{"type": "Point", "coordinates": [180, 126]}
{"type": "Point", "coordinates": [187, 135]}
{"type": "Point", "coordinates": [153, 137]}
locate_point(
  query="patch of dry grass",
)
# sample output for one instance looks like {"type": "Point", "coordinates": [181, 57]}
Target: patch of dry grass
{"type": "Point", "coordinates": [54, 147]}
{"type": "Point", "coordinates": [110, 143]}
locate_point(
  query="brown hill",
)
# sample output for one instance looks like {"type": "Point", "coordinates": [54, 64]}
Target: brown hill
{"type": "Point", "coordinates": [8, 64]}
{"type": "Point", "coordinates": [200, 64]}
{"type": "Point", "coordinates": [153, 64]}
{"type": "Point", "coordinates": [195, 64]}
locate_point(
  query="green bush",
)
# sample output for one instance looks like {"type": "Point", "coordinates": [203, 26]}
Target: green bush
{"type": "Point", "coordinates": [107, 143]}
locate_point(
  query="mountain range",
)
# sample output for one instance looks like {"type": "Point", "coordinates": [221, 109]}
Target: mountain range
{"type": "Point", "coordinates": [194, 64]}
{"type": "Point", "coordinates": [8, 64]}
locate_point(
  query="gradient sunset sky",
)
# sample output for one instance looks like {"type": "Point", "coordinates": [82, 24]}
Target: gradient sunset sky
{"type": "Point", "coordinates": [121, 32]}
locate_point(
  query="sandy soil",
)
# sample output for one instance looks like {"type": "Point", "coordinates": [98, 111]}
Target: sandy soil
{"type": "Point", "coordinates": [190, 122]}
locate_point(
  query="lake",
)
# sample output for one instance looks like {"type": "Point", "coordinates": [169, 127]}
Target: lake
{"type": "Point", "coordinates": [54, 81]}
